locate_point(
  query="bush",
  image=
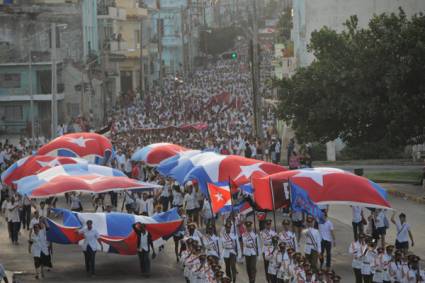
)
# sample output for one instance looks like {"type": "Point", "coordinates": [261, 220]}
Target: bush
{"type": "Point", "coordinates": [380, 150]}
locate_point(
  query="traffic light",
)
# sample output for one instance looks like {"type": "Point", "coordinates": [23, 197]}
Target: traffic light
{"type": "Point", "coordinates": [231, 55]}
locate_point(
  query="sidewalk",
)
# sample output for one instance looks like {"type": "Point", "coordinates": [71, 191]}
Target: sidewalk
{"type": "Point", "coordinates": [406, 191]}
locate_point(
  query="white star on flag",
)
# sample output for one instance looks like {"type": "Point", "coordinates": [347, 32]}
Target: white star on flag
{"type": "Point", "coordinates": [81, 141]}
{"type": "Point", "coordinates": [94, 180]}
{"type": "Point", "coordinates": [317, 174]}
{"type": "Point", "coordinates": [50, 164]}
{"type": "Point", "coordinates": [219, 197]}
{"type": "Point", "coordinates": [249, 169]}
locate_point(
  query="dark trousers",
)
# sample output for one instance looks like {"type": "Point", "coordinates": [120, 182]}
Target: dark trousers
{"type": "Point", "coordinates": [26, 216]}
{"type": "Point", "coordinates": [266, 269]}
{"type": "Point", "coordinates": [251, 267]}
{"type": "Point", "coordinates": [326, 247]}
{"type": "Point", "coordinates": [164, 202]}
{"type": "Point", "coordinates": [90, 259]}
{"type": "Point", "coordinates": [273, 278]}
{"type": "Point", "coordinates": [358, 275]}
{"type": "Point", "coordinates": [357, 229]}
{"type": "Point", "coordinates": [312, 259]}
{"type": "Point", "coordinates": [145, 263]}
{"type": "Point", "coordinates": [367, 278]}
{"type": "Point", "coordinates": [230, 263]}
{"type": "Point", "coordinates": [14, 230]}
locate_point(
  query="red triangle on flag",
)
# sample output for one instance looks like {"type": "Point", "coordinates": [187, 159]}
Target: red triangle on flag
{"type": "Point", "coordinates": [219, 196]}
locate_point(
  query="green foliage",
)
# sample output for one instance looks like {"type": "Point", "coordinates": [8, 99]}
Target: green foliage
{"type": "Point", "coordinates": [378, 150]}
{"type": "Point", "coordinates": [365, 86]}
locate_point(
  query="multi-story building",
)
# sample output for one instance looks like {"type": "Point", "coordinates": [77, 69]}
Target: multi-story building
{"type": "Point", "coordinates": [125, 43]}
{"type": "Point", "coordinates": [26, 62]}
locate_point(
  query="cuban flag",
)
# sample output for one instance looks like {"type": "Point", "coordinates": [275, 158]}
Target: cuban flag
{"type": "Point", "coordinates": [95, 148]}
{"type": "Point", "coordinates": [323, 186]}
{"type": "Point", "coordinates": [35, 164]}
{"type": "Point", "coordinates": [219, 196]}
{"type": "Point", "coordinates": [188, 162]}
{"type": "Point", "coordinates": [223, 168]}
{"type": "Point", "coordinates": [166, 166]}
{"type": "Point", "coordinates": [153, 154]}
{"type": "Point", "coordinates": [76, 177]}
{"type": "Point", "coordinates": [115, 229]}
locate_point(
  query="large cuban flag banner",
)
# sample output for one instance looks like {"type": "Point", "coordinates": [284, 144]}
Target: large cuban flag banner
{"type": "Point", "coordinates": [154, 153]}
{"type": "Point", "coordinates": [93, 147]}
{"type": "Point", "coordinates": [89, 178]}
{"type": "Point", "coordinates": [35, 164]}
{"type": "Point", "coordinates": [322, 185]}
{"type": "Point", "coordinates": [222, 168]}
{"type": "Point", "coordinates": [115, 229]}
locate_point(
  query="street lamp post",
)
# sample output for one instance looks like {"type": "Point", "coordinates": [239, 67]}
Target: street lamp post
{"type": "Point", "coordinates": [31, 98]}
{"type": "Point", "coordinates": [54, 105]}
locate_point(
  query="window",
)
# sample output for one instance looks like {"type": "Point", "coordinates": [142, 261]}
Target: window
{"type": "Point", "coordinates": [10, 80]}
{"type": "Point", "coordinates": [11, 112]}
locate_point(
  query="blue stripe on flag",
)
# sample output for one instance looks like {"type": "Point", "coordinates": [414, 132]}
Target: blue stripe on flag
{"type": "Point", "coordinates": [119, 224]}
{"type": "Point", "coordinates": [300, 201]}
{"type": "Point", "coordinates": [379, 189]}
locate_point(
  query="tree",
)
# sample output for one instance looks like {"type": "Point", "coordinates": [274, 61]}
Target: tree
{"type": "Point", "coordinates": [366, 84]}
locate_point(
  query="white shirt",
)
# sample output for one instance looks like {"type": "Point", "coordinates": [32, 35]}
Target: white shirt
{"type": "Point", "coordinates": [250, 244]}
{"type": "Point", "coordinates": [355, 250]}
{"type": "Point", "coordinates": [402, 232]}
{"type": "Point", "coordinates": [380, 219]}
{"type": "Point", "coordinates": [75, 202]}
{"type": "Point", "coordinates": [42, 212]}
{"type": "Point", "coordinates": [90, 238]}
{"type": "Point", "coordinates": [312, 240]}
{"type": "Point", "coordinates": [146, 206]}
{"type": "Point", "coordinates": [357, 214]}
{"type": "Point", "coordinates": [13, 212]}
{"type": "Point", "coordinates": [190, 201]}
{"type": "Point", "coordinates": [144, 242]}
{"type": "Point", "coordinates": [212, 245]}
{"type": "Point", "coordinates": [325, 230]}
{"type": "Point", "coordinates": [39, 244]}
{"type": "Point", "coordinates": [177, 198]}
{"type": "Point", "coordinates": [367, 260]}
{"type": "Point", "coordinates": [266, 236]}
{"type": "Point", "coordinates": [230, 244]}
{"type": "Point", "coordinates": [289, 238]}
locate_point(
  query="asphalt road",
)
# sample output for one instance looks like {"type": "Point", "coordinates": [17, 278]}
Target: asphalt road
{"type": "Point", "coordinates": [69, 263]}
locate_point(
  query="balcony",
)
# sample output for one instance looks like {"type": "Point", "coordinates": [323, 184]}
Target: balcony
{"type": "Point", "coordinates": [123, 48]}
{"type": "Point", "coordinates": [137, 13]}
{"type": "Point", "coordinates": [27, 97]}
{"type": "Point", "coordinates": [113, 13]}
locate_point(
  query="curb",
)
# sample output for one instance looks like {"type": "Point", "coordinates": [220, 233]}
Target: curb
{"type": "Point", "coordinates": [418, 199]}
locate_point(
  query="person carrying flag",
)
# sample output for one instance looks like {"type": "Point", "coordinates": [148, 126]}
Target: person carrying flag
{"type": "Point", "coordinates": [266, 236]}
{"type": "Point", "coordinates": [313, 240]}
{"type": "Point", "coordinates": [250, 249]}
{"type": "Point", "coordinates": [287, 236]}
{"type": "Point", "coordinates": [144, 246]}
{"type": "Point", "coordinates": [91, 239]}
{"type": "Point", "coordinates": [231, 250]}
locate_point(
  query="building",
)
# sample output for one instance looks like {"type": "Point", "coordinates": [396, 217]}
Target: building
{"type": "Point", "coordinates": [25, 34]}
{"type": "Point", "coordinates": [311, 15]}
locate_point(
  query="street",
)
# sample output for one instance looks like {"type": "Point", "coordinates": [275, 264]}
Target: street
{"type": "Point", "coordinates": [68, 260]}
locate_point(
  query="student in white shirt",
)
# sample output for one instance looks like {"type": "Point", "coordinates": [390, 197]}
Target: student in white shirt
{"type": "Point", "coordinates": [190, 203]}
{"type": "Point", "coordinates": [250, 250]}
{"type": "Point", "coordinates": [146, 205]}
{"type": "Point", "coordinates": [357, 221]}
{"type": "Point", "coordinates": [177, 197]}
{"type": "Point", "coordinates": [356, 250]}
{"type": "Point", "coordinates": [144, 247]}
{"type": "Point", "coordinates": [231, 250]}
{"type": "Point", "coordinates": [403, 232]}
{"type": "Point", "coordinates": [34, 221]}
{"type": "Point", "coordinates": [13, 219]}
{"type": "Point", "coordinates": [313, 240]}
{"type": "Point", "coordinates": [91, 240]}
{"type": "Point", "coordinates": [39, 248]}
{"type": "Point", "coordinates": [328, 240]}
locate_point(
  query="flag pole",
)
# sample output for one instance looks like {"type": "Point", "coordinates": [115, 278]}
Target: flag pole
{"type": "Point", "coordinates": [274, 208]}
{"type": "Point", "coordinates": [211, 209]}
{"type": "Point", "coordinates": [233, 210]}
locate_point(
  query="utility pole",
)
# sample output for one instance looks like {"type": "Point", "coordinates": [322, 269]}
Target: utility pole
{"type": "Point", "coordinates": [256, 99]}
{"type": "Point", "coordinates": [159, 29]}
{"type": "Point", "coordinates": [31, 98]}
{"type": "Point", "coordinates": [183, 45]}
{"type": "Point", "coordinates": [142, 69]}
{"type": "Point", "coordinates": [54, 105]}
